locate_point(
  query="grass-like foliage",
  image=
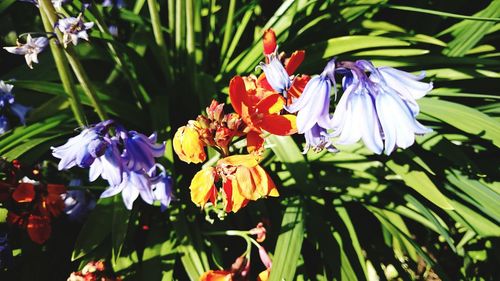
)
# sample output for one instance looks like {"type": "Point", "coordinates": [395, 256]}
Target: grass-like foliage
{"type": "Point", "coordinates": [430, 211]}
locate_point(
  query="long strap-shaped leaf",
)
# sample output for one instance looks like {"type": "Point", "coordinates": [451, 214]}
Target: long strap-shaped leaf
{"type": "Point", "coordinates": [289, 242]}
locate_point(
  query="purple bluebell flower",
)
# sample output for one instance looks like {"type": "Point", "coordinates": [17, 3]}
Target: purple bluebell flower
{"type": "Point", "coordinates": [114, 3]}
{"type": "Point", "coordinates": [355, 116]}
{"type": "Point", "coordinates": [373, 109]}
{"type": "Point", "coordinates": [276, 75]}
{"type": "Point", "coordinates": [83, 149]}
{"type": "Point", "coordinates": [161, 186]}
{"type": "Point", "coordinates": [109, 166]}
{"type": "Point", "coordinates": [133, 185]}
{"type": "Point", "coordinates": [30, 50]}
{"type": "Point", "coordinates": [5, 251]}
{"type": "Point", "coordinates": [77, 202]}
{"type": "Point", "coordinates": [140, 150]}
{"type": "Point", "coordinates": [7, 101]}
{"type": "Point", "coordinates": [314, 102]}
{"type": "Point", "coordinates": [6, 97]}
{"type": "Point", "coordinates": [74, 29]}
{"type": "Point", "coordinates": [4, 124]}
{"type": "Point", "coordinates": [317, 139]}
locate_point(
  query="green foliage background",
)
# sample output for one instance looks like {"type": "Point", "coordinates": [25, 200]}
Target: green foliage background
{"type": "Point", "coordinates": [430, 211]}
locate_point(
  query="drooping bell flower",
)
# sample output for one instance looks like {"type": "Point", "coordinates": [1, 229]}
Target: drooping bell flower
{"type": "Point", "coordinates": [77, 204]}
{"type": "Point", "coordinates": [140, 151]}
{"type": "Point", "coordinates": [133, 185]}
{"type": "Point", "coordinates": [276, 75]}
{"type": "Point", "coordinates": [74, 29]}
{"type": "Point", "coordinates": [317, 138]}
{"type": "Point", "coordinates": [387, 110]}
{"type": "Point", "coordinates": [406, 85]}
{"type": "Point", "coordinates": [161, 185]}
{"type": "Point", "coordinates": [187, 144]}
{"type": "Point", "coordinates": [30, 49]}
{"type": "Point", "coordinates": [4, 124]}
{"type": "Point", "coordinates": [109, 166]}
{"type": "Point", "coordinates": [6, 96]}
{"type": "Point", "coordinates": [56, 3]}
{"type": "Point", "coordinates": [82, 149]}
{"type": "Point", "coordinates": [314, 103]}
{"type": "Point", "coordinates": [355, 116]}
{"type": "Point", "coordinates": [114, 3]}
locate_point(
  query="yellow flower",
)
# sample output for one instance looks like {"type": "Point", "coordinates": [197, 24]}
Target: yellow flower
{"type": "Point", "coordinates": [188, 145]}
{"type": "Point", "coordinates": [216, 275]}
{"type": "Point", "coordinates": [202, 187]}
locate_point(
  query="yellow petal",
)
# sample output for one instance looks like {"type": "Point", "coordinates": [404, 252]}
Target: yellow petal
{"type": "Point", "coordinates": [247, 160]}
{"type": "Point", "coordinates": [202, 186]}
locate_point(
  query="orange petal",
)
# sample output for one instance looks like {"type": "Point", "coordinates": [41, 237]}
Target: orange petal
{"type": "Point", "coordinates": [202, 186]}
{"type": "Point", "coordinates": [247, 160]}
{"type": "Point", "coordinates": [56, 189]}
{"type": "Point", "coordinates": [39, 228]}
{"type": "Point", "coordinates": [237, 199]}
{"type": "Point", "coordinates": [254, 142]}
{"type": "Point", "coordinates": [263, 83]}
{"type": "Point", "coordinates": [260, 179]}
{"type": "Point", "coordinates": [237, 93]}
{"type": "Point", "coordinates": [244, 181]}
{"type": "Point", "coordinates": [294, 61]}
{"type": "Point", "coordinates": [24, 193]}
{"type": "Point", "coordinates": [269, 40]}
{"type": "Point", "coordinates": [298, 85]}
{"type": "Point", "coordinates": [281, 125]}
{"type": "Point", "coordinates": [216, 275]}
{"type": "Point", "coordinates": [271, 104]}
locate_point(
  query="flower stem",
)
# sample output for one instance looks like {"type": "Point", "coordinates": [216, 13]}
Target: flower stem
{"type": "Point", "coordinates": [65, 74]}
{"type": "Point", "coordinates": [47, 7]}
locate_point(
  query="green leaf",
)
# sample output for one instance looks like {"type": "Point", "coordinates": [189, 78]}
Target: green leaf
{"type": "Point", "coordinates": [463, 118]}
{"type": "Point", "coordinates": [287, 252]}
{"type": "Point", "coordinates": [421, 183]}
{"type": "Point", "coordinates": [97, 227]}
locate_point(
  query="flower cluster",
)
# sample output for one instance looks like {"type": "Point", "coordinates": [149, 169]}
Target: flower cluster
{"type": "Point", "coordinates": [259, 104]}
{"type": "Point", "coordinates": [126, 159]}
{"type": "Point", "coordinates": [32, 204]}
{"type": "Point", "coordinates": [378, 105]}
{"type": "Point", "coordinates": [242, 179]}
{"type": "Point", "coordinates": [9, 106]}
{"type": "Point", "coordinates": [240, 269]}
{"type": "Point", "coordinates": [72, 28]}
{"type": "Point", "coordinates": [93, 271]}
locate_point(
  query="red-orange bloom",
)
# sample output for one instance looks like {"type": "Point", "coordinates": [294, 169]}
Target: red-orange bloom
{"type": "Point", "coordinates": [260, 109]}
{"type": "Point", "coordinates": [269, 41]}
{"type": "Point", "coordinates": [217, 275]}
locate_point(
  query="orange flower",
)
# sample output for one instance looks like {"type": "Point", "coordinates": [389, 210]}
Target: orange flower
{"type": "Point", "coordinates": [24, 193]}
{"type": "Point", "coordinates": [202, 187]}
{"type": "Point", "coordinates": [242, 180]}
{"type": "Point", "coordinates": [188, 145]}
{"type": "Point", "coordinates": [260, 107]}
{"type": "Point", "coordinates": [216, 275]}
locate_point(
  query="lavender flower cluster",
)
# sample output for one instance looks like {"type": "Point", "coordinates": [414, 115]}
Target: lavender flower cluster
{"type": "Point", "coordinates": [126, 159]}
{"type": "Point", "coordinates": [378, 105]}
{"type": "Point", "coordinates": [9, 105]}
